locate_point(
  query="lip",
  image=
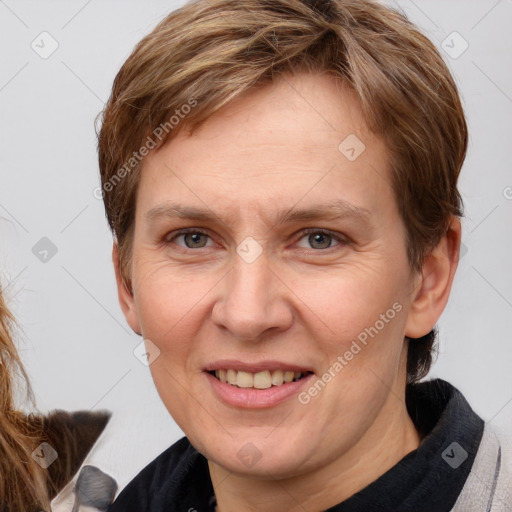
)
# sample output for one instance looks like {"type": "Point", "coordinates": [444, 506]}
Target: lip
{"type": "Point", "coordinates": [261, 366]}
{"type": "Point", "coordinates": [250, 398]}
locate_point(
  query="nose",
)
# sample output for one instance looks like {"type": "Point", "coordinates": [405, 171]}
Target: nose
{"type": "Point", "coordinates": [253, 301]}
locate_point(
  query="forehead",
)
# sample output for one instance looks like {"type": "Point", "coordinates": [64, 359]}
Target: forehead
{"type": "Point", "coordinates": [301, 138]}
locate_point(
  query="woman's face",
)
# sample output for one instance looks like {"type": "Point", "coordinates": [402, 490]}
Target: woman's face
{"type": "Point", "coordinates": [294, 264]}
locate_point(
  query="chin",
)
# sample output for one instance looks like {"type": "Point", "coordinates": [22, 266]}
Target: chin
{"type": "Point", "coordinates": [257, 457]}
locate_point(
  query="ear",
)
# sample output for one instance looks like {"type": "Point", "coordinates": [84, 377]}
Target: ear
{"type": "Point", "coordinates": [435, 283]}
{"type": "Point", "coordinates": [125, 295]}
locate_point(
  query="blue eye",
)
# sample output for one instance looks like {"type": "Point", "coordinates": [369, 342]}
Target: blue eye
{"type": "Point", "coordinates": [193, 238]}
{"type": "Point", "coordinates": [321, 237]}
{"type": "Point", "coordinates": [317, 239]}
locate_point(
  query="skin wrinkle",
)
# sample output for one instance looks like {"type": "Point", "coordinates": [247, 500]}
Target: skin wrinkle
{"type": "Point", "coordinates": [286, 305]}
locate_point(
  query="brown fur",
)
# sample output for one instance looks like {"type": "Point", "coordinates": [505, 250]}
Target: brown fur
{"type": "Point", "coordinates": [72, 435]}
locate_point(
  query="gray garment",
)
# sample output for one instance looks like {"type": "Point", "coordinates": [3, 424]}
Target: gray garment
{"type": "Point", "coordinates": [489, 485]}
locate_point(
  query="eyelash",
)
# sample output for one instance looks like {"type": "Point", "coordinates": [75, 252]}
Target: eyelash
{"type": "Point", "coordinates": [342, 241]}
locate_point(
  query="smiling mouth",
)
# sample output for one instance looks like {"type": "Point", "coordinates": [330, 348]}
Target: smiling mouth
{"type": "Point", "coordinates": [259, 380]}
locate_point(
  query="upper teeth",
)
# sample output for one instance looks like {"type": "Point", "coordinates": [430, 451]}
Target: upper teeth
{"type": "Point", "coordinates": [259, 380]}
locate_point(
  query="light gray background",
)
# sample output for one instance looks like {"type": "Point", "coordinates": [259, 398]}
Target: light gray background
{"type": "Point", "coordinates": [75, 342]}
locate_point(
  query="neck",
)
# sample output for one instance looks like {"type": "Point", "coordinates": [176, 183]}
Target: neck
{"type": "Point", "coordinates": [381, 447]}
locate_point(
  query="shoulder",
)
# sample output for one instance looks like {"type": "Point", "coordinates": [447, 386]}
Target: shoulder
{"type": "Point", "coordinates": [178, 476]}
{"type": "Point", "coordinates": [169, 464]}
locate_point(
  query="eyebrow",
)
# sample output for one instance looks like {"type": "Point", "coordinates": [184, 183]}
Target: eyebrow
{"type": "Point", "coordinates": [337, 210]}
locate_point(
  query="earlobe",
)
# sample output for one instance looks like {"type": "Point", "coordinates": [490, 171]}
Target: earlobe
{"type": "Point", "coordinates": [125, 295]}
{"type": "Point", "coordinates": [433, 289]}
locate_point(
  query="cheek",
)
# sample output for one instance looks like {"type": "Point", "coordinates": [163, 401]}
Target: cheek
{"type": "Point", "coordinates": [164, 297]}
{"type": "Point", "coordinates": [173, 307]}
{"type": "Point", "coordinates": [352, 303]}
{"type": "Point", "coordinates": [362, 361]}
{"type": "Point", "coordinates": [362, 318]}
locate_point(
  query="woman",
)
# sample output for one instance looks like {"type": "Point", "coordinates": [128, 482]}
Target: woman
{"type": "Point", "coordinates": [280, 177]}
{"type": "Point", "coordinates": [39, 454]}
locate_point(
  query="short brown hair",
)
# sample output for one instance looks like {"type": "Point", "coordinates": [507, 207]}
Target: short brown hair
{"type": "Point", "coordinates": [210, 51]}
